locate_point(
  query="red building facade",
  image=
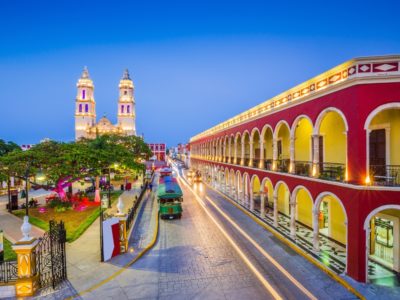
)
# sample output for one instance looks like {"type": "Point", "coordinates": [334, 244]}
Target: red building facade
{"type": "Point", "coordinates": [323, 158]}
{"type": "Point", "coordinates": [159, 150]}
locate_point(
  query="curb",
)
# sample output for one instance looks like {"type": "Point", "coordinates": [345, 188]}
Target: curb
{"type": "Point", "coordinates": [119, 272]}
{"type": "Point", "coordinates": [299, 251]}
{"type": "Point", "coordinates": [135, 217]}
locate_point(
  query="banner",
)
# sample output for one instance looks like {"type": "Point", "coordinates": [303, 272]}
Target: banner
{"type": "Point", "coordinates": [111, 245]}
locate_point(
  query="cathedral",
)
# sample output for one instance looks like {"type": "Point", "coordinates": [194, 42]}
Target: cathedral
{"type": "Point", "coordinates": [85, 110]}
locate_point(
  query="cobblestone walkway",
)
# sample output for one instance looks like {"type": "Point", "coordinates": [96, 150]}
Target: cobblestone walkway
{"type": "Point", "coordinates": [331, 253]}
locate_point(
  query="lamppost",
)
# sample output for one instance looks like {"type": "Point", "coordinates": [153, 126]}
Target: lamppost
{"type": "Point", "coordinates": [9, 193]}
{"type": "Point", "coordinates": [101, 232]}
{"type": "Point", "coordinates": [109, 187]}
{"type": "Point", "coordinates": [26, 187]}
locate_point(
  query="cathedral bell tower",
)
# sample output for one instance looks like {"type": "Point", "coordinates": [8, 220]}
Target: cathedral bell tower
{"type": "Point", "coordinates": [85, 110]}
{"type": "Point", "coordinates": [126, 105]}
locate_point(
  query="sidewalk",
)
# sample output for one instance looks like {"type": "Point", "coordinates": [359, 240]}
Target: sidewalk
{"type": "Point", "coordinates": [83, 256]}
{"type": "Point", "coordinates": [11, 225]}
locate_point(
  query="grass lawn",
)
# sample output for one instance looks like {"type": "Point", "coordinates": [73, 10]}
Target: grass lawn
{"type": "Point", "coordinates": [76, 222]}
{"type": "Point", "coordinates": [9, 253]}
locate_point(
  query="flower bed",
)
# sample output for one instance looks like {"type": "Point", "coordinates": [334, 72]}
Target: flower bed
{"type": "Point", "coordinates": [77, 215]}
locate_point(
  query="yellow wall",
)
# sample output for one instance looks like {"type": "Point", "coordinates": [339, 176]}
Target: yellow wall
{"type": "Point", "coordinates": [391, 117]}
{"type": "Point", "coordinates": [270, 188]}
{"type": "Point", "coordinates": [256, 145]}
{"type": "Point", "coordinates": [256, 186]}
{"type": "Point", "coordinates": [302, 141]}
{"type": "Point", "coordinates": [284, 135]}
{"type": "Point", "coordinates": [332, 128]}
{"type": "Point", "coordinates": [283, 200]}
{"type": "Point", "coordinates": [238, 146]}
{"type": "Point", "coordinates": [304, 208]}
{"type": "Point", "coordinates": [337, 218]}
{"type": "Point", "coordinates": [268, 144]}
{"type": "Point", "coordinates": [247, 145]}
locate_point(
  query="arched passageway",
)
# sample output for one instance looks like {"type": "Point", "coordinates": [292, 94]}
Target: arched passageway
{"type": "Point", "coordinates": [383, 245]}
{"type": "Point", "coordinates": [330, 143]}
{"type": "Point", "coordinates": [383, 144]}
{"type": "Point", "coordinates": [302, 135]}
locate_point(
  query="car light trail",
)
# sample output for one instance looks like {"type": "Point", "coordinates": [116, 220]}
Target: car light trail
{"type": "Point", "coordinates": [263, 252]}
{"type": "Point", "coordinates": [260, 277]}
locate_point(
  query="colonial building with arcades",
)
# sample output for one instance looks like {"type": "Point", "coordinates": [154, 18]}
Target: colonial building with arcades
{"type": "Point", "coordinates": [320, 163]}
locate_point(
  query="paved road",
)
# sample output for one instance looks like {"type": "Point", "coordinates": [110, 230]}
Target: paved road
{"type": "Point", "coordinates": [203, 256]}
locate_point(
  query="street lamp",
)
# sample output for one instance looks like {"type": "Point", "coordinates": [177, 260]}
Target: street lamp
{"type": "Point", "coordinates": [26, 188]}
{"type": "Point", "coordinates": [109, 188]}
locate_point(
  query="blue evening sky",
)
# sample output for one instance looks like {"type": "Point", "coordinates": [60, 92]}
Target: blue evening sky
{"type": "Point", "coordinates": [194, 63]}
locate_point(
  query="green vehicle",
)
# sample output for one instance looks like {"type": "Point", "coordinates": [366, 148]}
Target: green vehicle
{"type": "Point", "coordinates": [170, 198]}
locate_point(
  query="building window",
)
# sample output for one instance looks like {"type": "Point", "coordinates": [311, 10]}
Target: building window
{"type": "Point", "coordinates": [86, 108]}
{"type": "Point", "coordinates": [122, 109]}
{"type": "Point", "coordinates": [83, 94]}
{"type": "Point", "coordinates": [125, 92]}
{"type": "Point", "coordinates": [128, 109]}
{"type": "Point", "coordinates": [80, 108]}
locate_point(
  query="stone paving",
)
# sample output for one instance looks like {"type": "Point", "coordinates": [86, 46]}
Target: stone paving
{"type": "Point", "coordinates": [370, 291]}
{"type": "Point", "coordinates": [331, 253]}
{"type": "Point", "coordinates": [191, 260]}
{"type": "Point", "coordinates": [83, 258]}
{"type": "Point", "coordinates": [11, 224]}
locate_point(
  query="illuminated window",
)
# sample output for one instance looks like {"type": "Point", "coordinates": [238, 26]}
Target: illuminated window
{"type": "Point", "coordinates": [122, 109]}
{"type": "Point", "coordinates": [86, 108]}
{"type": "Point", "coordinates": [125, 92]}
{"type": "Point", "coordinates": [80, 108]}
{"type": "Point", "coordinates": [83, 94]}
{"type": "Point", "coordinates": [128, 109]}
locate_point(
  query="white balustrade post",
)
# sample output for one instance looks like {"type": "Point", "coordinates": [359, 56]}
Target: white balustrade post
{"type": "Point", "coordinates": [315, 230]}
{"type": "Point", "coordinates": [293, 218]}
{"type": "Point", "coordinates": [276, 210]}
{"type": "Point", "coordinates": [262, 203]}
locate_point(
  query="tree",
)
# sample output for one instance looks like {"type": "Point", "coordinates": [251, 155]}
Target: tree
{"type": "Point", "coordinates": [5, 148]}
{"type": "Point", "coordinates": [64, 163]}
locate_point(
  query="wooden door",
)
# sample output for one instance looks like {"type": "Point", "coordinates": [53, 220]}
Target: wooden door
{"type": "Point", "coordinates": [377, 151]}
{"type": "Point", "coordinates": [279, 145]}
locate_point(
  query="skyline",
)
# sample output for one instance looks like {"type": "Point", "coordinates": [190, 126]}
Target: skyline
{"type": "Point", "coordinates": [177, 55]}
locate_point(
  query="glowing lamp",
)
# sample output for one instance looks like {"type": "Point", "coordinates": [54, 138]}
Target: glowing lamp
{"type": "Point", "coordinates": [314, 170]}
{"type": "Point", "coordinates": [40, 177]}
{"type": "Point", "coordinates": [367, 180]}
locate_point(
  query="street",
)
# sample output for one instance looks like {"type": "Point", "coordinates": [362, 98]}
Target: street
{"type": "Point", "coordinates": [206, 255]}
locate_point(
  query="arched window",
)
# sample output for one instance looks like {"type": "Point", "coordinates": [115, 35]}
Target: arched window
{"type": "Point", "coordinates": [86, 108]}
{"type": "Point", "coordinates": [80, 108]}
{"type": "Point", "coordinates": [83, 94]}
{"type": "Point", "coordinates": [122, 109]}
{"type": "Point", "coordinates": [128, 109]}
{"type": "Point", "coordinates": [125, 92]}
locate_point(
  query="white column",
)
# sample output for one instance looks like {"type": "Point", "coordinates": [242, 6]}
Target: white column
{"type": "Point", "coordinates": [293, 218]}
{"type": "Point", "coordinates": [315, 171]}
{"type": "Point", "coordinates": [315, 230]}
{"type": "Point", "coordinates": [251, 154]}
{"type": "Point", "coordinates": [261, 165]}
{"type": "Point", "coordinates": [262, 208]}
{"type": "Point", "coordinates": [291, 167]}
{"type": "Point", "coordinates": [229, 150]}
{"type": "Point", "coordinates": [235, 151]}
{"type": "Point", "coordinates": [275, 210]}
{"type": "Point", "coordinates": [274, 153]}
{"type": "Point", "coordinates": [242, 154]}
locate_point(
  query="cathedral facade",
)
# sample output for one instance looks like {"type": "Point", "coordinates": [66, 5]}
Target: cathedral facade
{"type": "Point", "coordinates": [86, 125]}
